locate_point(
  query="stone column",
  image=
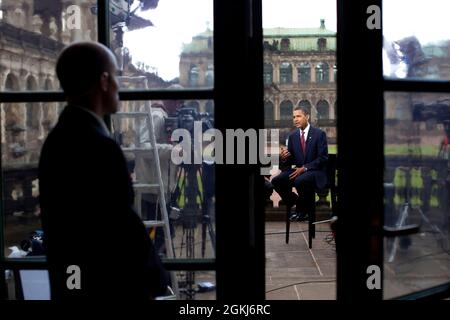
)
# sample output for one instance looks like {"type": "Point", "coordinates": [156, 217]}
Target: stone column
{"type": "Point", "coordinates": [294, 74]}
{"type": "Point", "coordinates": [313, 73]}
{"type": "Point", "coordinates": [331, 72]}
{"type": "Point", "coordinates": [276, 72]}
{"type": "Point", "coordinates": [276, 107]}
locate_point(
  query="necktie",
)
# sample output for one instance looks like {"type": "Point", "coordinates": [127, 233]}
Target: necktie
{"type": "Point", "coordinates": [302, 141]}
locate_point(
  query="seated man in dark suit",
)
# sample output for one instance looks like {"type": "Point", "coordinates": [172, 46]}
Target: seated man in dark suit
{"type": "Point", "coordinates": [86, 195]}
{"type": "Point", "coordinates": [304, 159]}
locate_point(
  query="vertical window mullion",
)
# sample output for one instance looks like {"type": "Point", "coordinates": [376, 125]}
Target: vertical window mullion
{"type": "Point", "coordinates": [103, 27]}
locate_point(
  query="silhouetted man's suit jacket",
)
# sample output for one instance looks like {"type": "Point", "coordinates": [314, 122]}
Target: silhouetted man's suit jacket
{"type": "Point", "coordinates": [86, 201]}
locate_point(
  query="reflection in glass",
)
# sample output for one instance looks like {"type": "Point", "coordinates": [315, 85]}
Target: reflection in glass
{"type": "Point", "coordinates": [170, 42]}
{"type": "Point", "coordinates": [43, 28]}
{"type": "Point", "coordinates": [24, 129]}
{"type": "Point", "coordinates": [416, 39]}
{"type": "Point", "coordinates": [190, 191]}
{"type": "Point", "coordinates": [34, 285]}
{"type": "Point", "coordinates": [417, 128]}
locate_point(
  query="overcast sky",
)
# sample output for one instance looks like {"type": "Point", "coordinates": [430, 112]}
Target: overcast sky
{"type": "Point", "coordinates": [176, 21]}
{"type": "Point", "coordinates": [428, 20]}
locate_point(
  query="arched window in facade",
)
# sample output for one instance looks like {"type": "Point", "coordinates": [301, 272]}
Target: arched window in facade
{"type": "Point", "coordinates": [48, 85]}
{"type": "Point", "coordinates": [304, 73]}
{"type": "Point", "coordinates": [32, 116]}
{"type": "Point", "coordinates": [335, 72]}
{"type": "Point", "coordinates": [335, 110]}
{"type": "Point", "coordinates": [193, 76]}
{"type": "Point", "coordinates": [286, 108]}
{"type": "Point", "coordinates": [268, 74]}
{"type": "Point", "coordinates": [11, 83]}
{"type": "Point", "coordinates": [322, 73]}
{"type": "Point", "coordinates": [305, 104]}
{"type": "Point", "coordinates": [323, 110]}
{"type": "Point", "coordinates": [285, 73]}
{"type": "Point", "coordinates": [268, 111]}
{"type": "Point", "coordinates": [13, 128]}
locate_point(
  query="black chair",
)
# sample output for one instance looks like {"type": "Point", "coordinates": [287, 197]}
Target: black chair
{"type": "Point", "coordinates": [332, 187]}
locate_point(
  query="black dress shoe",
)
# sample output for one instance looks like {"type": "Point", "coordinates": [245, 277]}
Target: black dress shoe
{"type": "Point", "coordinates": [302, 216]}
{"type": "Point", "coordinates": [294, 216]}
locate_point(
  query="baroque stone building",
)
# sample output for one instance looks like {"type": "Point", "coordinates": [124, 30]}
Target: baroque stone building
{"type": "Point", "coordinates": [299, 69]}
{"type": "Point", "coordinates": [197, 67]}
{"type": "Point", "coordinates": [32, 33]}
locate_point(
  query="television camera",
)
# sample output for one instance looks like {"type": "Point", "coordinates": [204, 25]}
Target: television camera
{"type": "Point", "coordinates": [197, 195]}
{"type": "Point", "coordinates": [186, 118]}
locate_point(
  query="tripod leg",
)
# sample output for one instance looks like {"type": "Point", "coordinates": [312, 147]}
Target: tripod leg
{"type": "Point", "coordinates": [203, 239]}
{"type": "Point", "coordinates": [212, 236]}
{"type": "Point", "coordinates": [400, 222]}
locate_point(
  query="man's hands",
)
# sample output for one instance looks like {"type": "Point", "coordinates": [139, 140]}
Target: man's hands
{"type": "Point", "coordinates": [284, 153]}
{"type": "Point", "coordinates": [296, 173]}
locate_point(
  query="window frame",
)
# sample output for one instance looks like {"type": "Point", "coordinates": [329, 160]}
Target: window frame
{"type": "Point", "coordinates": [125, 95]}
{"type": "Point", "coordinates": [238, 24]}
{"type": "Point", "coordinates": [361, 209]}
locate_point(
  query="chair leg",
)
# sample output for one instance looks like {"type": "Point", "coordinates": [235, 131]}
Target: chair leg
{"type": "Point", "coordinates": [313, 219]}
{"type": "Point", "coordinates": [288, 223]}
{"type": "Point", "coordinates": [310, 230]}
{"type": "Point", "coordinates": [311, 225]}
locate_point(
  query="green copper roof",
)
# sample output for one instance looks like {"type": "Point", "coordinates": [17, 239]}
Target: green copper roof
{"type": "Point", "coordinates": [199, 43]}
{"type": "Point", "coordinates": [301, 39]}
{"type": "Point", "coordinates": [297, 32]}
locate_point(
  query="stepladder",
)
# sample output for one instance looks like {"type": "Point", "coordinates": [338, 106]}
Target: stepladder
{"type": "Point", "coordinates": [148, 178]}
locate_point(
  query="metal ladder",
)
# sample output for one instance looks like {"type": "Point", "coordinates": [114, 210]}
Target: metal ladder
{"type": "Point", "coordinates": [142, 187]}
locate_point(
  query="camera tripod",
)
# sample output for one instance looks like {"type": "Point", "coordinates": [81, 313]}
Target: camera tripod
{"type": "Point", "coordinates": [194, 192]}
{"type": "Point", "coordinates": [408, 210]}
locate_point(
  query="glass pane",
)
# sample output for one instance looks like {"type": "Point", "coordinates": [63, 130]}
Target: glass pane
{"type": "Point", "coordinates": [164, 44]}
{"type": "Point", "coordinates": [299, 42]}
{"type": "Point", "coordinates": [44, 29]}
{"type": "Point", "coordinates": [417, 128]}
{"type": "Point", "coordinates": [196, 285]}
{"type": "Point", "coordinates": [34, 285]}
{"type": "Point", "coordinates": [189, 184]}
{"type": "Point", "coordinates": [416, 39]}
{"type": "Point", "coordinates": [24, 129]}
{"type": "Point", "coordinates": [27, 285]}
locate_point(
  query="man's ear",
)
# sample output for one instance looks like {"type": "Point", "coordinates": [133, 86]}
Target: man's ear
{"type": "Point", "coordinates": [104, 81]}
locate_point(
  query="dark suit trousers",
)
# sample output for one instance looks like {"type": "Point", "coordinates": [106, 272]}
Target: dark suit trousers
{"type": "Point", "coordinates": [304, 184]}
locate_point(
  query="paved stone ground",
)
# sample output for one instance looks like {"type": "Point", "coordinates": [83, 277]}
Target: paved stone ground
{"type": "Point", "coordinates": [295, 272]}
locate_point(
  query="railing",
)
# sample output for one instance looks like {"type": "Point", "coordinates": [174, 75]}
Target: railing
{"type": "Point", "coordinates": [29, 38]}
{"type": "Point", "coordinates": [19, 178]}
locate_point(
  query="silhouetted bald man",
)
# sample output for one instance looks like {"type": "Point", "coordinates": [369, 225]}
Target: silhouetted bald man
{"type": "Point", "coordinates": [86, 194]}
